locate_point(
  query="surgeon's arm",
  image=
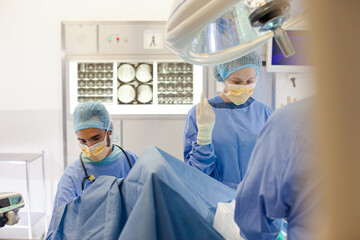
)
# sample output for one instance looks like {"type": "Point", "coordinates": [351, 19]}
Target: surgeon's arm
{"type": "Point", "coordinates": [65, 193]}
{"type": "Point", "coordinates": [261, 196]}
{"type": "Point", "coordinates": [201, 157]}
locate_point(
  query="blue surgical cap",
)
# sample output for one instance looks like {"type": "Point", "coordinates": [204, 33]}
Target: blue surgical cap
{"type": "Point", "coordinates": [91, 115]}
{"type": "Point", "coordinates": [252, 59]}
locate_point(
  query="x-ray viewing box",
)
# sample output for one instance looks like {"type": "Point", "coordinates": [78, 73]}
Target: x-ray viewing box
{"type": "Point", "coordinates": [128, 67]}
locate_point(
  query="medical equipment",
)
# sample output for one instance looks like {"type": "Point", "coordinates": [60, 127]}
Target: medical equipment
{"type": "Point", "coordinates": [270, 15]}
{"type": "Point", "coordinates": [91, 178]}
{"type": "Point", "coordinates": [299, 62]}
{"type": "Point", "coordinates": [127, 66]}
{"type": "Point", "coordinates": [210, 32]}
{"type": "Point", "coordinates": [10, 204]}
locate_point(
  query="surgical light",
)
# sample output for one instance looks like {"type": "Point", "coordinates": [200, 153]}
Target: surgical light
{"type": "Point", "coordinates": [270, 15]}
{"type": "Point", "coordinates": [206, 32]}
{"type": "Point", "coordinates": [254, 4]}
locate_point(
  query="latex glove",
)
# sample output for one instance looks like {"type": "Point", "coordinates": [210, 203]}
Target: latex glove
{"type": "Point", "coordinates": [205, 119]}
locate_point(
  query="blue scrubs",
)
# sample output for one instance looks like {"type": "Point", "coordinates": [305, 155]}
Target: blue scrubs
{"type": "Point", "coordinates": [69, 186]}
{"type": "Point", "coordinates": [277, 183]}
{"type": "Point", "coordinates": [233, 139]}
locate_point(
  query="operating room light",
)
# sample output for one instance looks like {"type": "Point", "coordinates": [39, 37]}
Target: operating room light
{"type": "Point", "coordinates": [254, 4]}
{"type": "Point", "coordinates": [206, 32]}
{"type": "Point", "coordinates": [270, 15]}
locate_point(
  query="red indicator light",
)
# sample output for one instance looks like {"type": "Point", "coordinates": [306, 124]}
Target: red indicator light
{"type": "Point", "coordinates": [117, 39]}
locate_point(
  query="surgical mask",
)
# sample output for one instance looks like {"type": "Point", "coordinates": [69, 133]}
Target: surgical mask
{"type": "Point", "coordinates": [97, 152]}
{"type": "Point", "coordinates": [239, 94]}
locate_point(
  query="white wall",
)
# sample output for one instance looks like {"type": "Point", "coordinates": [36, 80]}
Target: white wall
{"type": "Point", "coordinates": [30, 69]}
{"type": "Point", "coordinates": [30, 44]}
{"type": "Point", "coordinates": [305, 86]}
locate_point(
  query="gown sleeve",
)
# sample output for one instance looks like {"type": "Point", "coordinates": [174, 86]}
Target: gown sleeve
{"type": "Point", "coordinates": [268, 112]}
{"type": "Point", "coordinates": [65, 193]}
{"type": "Point", "coordinates": [201, 157]}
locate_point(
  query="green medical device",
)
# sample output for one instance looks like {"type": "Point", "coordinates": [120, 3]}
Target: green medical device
{"type": "Point", "coordinates": [10, 204]}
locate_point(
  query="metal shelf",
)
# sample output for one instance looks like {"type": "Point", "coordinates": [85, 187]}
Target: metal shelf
{"type": "Point", "coordinates": [27, 219]}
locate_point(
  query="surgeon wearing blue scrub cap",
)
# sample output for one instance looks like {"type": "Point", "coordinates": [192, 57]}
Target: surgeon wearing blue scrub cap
{"type": "Point", "coordinates": [99, 156]}
{"type": "Point", "coordinates": [220, 133]}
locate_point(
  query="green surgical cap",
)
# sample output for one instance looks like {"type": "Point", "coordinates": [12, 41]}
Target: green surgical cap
{"type": "Point", "coordinates": [91, 115]}
{"type": "Point", "coordinates": [252, 59]}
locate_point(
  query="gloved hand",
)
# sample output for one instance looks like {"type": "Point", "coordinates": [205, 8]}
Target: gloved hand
{"type": "Point", "coordinates": [205, 119]}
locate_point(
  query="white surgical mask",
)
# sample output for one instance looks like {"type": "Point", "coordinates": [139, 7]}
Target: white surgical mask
{"type": "Point", "coordinates": [98, 152]}
{"type": "Point", "coordinates": [239, 94]}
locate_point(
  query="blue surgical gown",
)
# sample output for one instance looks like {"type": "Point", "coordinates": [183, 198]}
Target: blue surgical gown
{"type": "Point", "coordinates": [69, 186]}
{"type": "Point", "coordinates": [233, 139]}
{"type": "Point", "coordinates": [278, 182]}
